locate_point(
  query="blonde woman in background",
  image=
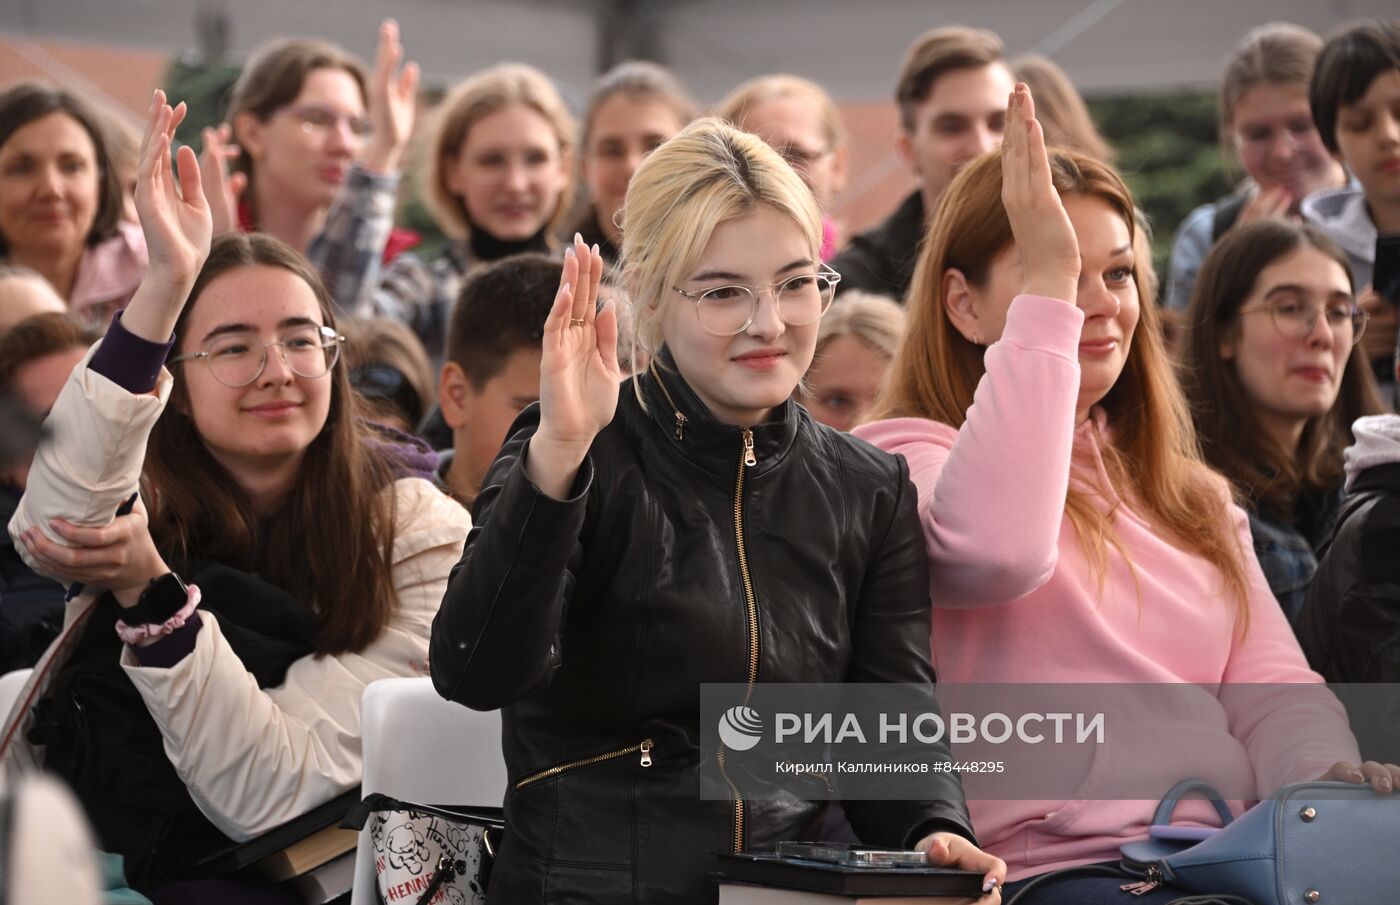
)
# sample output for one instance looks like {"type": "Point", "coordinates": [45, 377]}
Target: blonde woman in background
{"type": "Point", "coordinates": [496, 179]}
{"type": "Point", "coordinates": [800, 121]}
{"type": "Point", "coordinates": [856, 342]}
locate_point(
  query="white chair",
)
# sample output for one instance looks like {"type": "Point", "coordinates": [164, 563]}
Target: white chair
{"type": "Point", "coordinates": [420, 748]}
{"type": "Point", "coordinates": [11, 684]}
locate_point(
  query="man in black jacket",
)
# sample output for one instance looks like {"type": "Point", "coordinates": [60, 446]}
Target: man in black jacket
{"type": "Point", "coordinates": [952, 94]}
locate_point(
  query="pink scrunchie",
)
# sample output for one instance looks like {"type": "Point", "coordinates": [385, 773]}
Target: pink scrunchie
{"type": "Point", "coordinates": [141, 635]}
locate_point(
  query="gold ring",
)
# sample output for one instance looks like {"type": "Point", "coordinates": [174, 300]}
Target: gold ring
{"type": "Point", "coordinates": [577, 322]}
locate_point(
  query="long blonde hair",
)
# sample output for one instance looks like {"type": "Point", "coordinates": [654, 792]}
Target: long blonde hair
{"type": "Point", "coordinates": [1153, 451]}
{"type": "Point", "coordinates": [708, 173]}
{"type": "Point", "coordinates": [487, 92]}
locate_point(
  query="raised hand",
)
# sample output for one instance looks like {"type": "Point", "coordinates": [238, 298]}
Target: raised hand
{"type": "Point", "coordinates": [176, 221]}
{"type": "Point", "coordinates": [391, 102]}
{"type": "Point", "coordinates": [174, 213]}
{"type": "Point", "coordinates": [1042, 230]}
{"type": "Point", "coordinates": [224, 190]}
{"type": "Point", "coordinates": [579, 374]}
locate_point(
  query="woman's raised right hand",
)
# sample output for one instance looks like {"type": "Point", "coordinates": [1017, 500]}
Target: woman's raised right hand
{"type": "Point", "coordinates": [1042, 230]}
{"type": "Point", "coordinates": [176, 221]}
{"type": "Point", "coordinates": [579, 374]}
{"type": "Point", "coordinates": [174, 213]}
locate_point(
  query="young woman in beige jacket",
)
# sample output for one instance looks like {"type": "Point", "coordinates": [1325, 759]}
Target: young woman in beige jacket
{"type": "Point", "coordinates": [255, 458]}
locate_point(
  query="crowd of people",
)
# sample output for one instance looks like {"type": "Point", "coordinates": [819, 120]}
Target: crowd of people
{"type": "Point", "coordinates": [649, 419]}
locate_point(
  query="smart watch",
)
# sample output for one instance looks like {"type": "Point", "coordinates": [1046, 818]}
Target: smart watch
{"type": "Point", "coordinates": [165, 596]}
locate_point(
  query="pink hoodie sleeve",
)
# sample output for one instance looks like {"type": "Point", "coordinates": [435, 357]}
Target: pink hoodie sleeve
{"type": "Point", "coordinates": [1293, 727]}
{"type": "Point", "coordinates": [992, 499]}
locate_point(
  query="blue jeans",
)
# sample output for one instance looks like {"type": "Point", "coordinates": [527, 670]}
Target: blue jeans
{"type": "Point", "coordinates": [1076, 890]}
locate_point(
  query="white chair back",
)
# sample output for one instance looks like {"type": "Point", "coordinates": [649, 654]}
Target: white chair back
{"type": "Point", "coordinates": [11, 684]}
{"type": "Point", "coordinates": [421, 748]}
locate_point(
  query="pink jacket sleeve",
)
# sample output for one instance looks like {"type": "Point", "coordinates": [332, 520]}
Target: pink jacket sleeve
{"type": "Point", "coordinates": [992, 495]}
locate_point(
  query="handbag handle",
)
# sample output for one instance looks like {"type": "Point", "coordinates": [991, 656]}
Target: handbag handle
{"type": "Point", "coordinates": [1165, 810]}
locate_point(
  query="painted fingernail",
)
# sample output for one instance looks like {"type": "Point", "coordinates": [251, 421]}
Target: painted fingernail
{"type": "Point", "coordinates": [595, 248]}
{"type": "Point", "coordinates": [1357, 775]}
{"type": "Point", "coordinates": [568, 251]}
{"type": "Point", "coordinates": [989, 885]}
{"type": "Point", "coordinates": [578, 237]}
{"type": "Point", "coordinates": [1384, 784]}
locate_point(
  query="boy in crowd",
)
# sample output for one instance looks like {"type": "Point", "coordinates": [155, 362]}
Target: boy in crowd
{"type": "Point", "coordinates": [1355, 99]}
{"type": "Point", "coordinates": [493, 363]}
{"type": "Point", "coordinates": [951, 93]}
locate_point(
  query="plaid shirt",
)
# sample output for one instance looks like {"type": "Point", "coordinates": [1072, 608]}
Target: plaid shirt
{"type": "Point", "coordinates": [421, 293]}
{"type": "Point", "coordinates": [349, 249]}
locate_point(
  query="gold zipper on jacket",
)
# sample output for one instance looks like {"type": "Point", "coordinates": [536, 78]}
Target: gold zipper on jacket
{"type": "Point", "coordinates": [746, 460]}
{"type": "Point", "coordinates": [680, 419]}
{"type": "Point", "coordinates": [644, 747]}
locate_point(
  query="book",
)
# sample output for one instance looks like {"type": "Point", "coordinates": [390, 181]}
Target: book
{"type": "Point", "coordinates": [240, 856]}
{"type": "Point", "coordinates": [328, 882]}
{"type": "Point", "coordinates": [739, 894]}
{"type": "Point", "coordinates": [306, 854]}
{"type": "Point", "coordinates": [767, 869]}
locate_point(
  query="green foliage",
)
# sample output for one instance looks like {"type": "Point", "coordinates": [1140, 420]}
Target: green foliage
{"type": "Point", "coordinates": [1169, 153]}
{"type": "Point", "coordinates": [204, 87]}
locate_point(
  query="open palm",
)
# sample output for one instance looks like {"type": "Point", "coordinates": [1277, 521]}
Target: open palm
{"type": "Point", "coordinates": [1043, 233]}
{"type": "Point", "coordinates": [392, 94]}
{"type": "Point", "coordinates": [174, 214]}
{"type": "Point", "coordinates": [579, 374]}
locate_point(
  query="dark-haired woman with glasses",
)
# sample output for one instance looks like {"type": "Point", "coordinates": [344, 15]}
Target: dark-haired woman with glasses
{"type": "Point", "coordinates": [1274, 386]}
{"type": "Point", "coordinates": [311, 154]}
{"type": "Point", "coordinates": [635, 541]}
{"type": "Point", "coordinates": [277, 561]}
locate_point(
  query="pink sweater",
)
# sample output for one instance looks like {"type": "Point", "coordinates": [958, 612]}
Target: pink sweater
{"type": "Point", "coordinates": [1015, 600]}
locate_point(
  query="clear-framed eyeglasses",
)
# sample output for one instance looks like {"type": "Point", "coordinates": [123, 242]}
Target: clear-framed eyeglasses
{"type": "Point", "coordinates": [1260, 137]}
{"type": "Point", "coordinates": [731, 309]}
{"type": "Point", "coordinates": [316, 118]}
{"type": "Point", "coordinates": [237, 359]}
{"type": "Point", "coordinates": [1295, 316]}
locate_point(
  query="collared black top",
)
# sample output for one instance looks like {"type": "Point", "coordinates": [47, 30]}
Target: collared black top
{"type": "Point", "coordinates": [882, 258]}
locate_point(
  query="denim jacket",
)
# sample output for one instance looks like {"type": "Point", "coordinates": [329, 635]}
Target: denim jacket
{"type": "Point", "coordinates": [1287, 551]}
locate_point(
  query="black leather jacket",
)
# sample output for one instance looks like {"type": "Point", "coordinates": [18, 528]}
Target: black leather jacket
{"type": "Point", "coordinates": [593, 621]}
{"type": "Point", "coordinates": [1349, 625]}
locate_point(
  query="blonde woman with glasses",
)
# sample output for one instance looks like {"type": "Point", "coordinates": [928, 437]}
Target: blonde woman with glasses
{"type": "Point", "coordinates": [693, 527]}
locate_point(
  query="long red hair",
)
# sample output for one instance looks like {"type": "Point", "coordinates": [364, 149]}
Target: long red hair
{"type": "Point", "coordinates": [1153, 457]}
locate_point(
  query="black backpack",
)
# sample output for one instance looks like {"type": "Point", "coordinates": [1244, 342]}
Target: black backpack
{"type": "Point", "coordinates": [100, 738]}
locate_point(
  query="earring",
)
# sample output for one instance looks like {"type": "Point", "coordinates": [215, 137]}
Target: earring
{"type": "Point", "coordinates": [976, 339]}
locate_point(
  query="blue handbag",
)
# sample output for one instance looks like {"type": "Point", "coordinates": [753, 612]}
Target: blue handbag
{"type": "Point", "coordinates": [1332, 843]}
{"type": "Point", "coordinates": [1312, 842]}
